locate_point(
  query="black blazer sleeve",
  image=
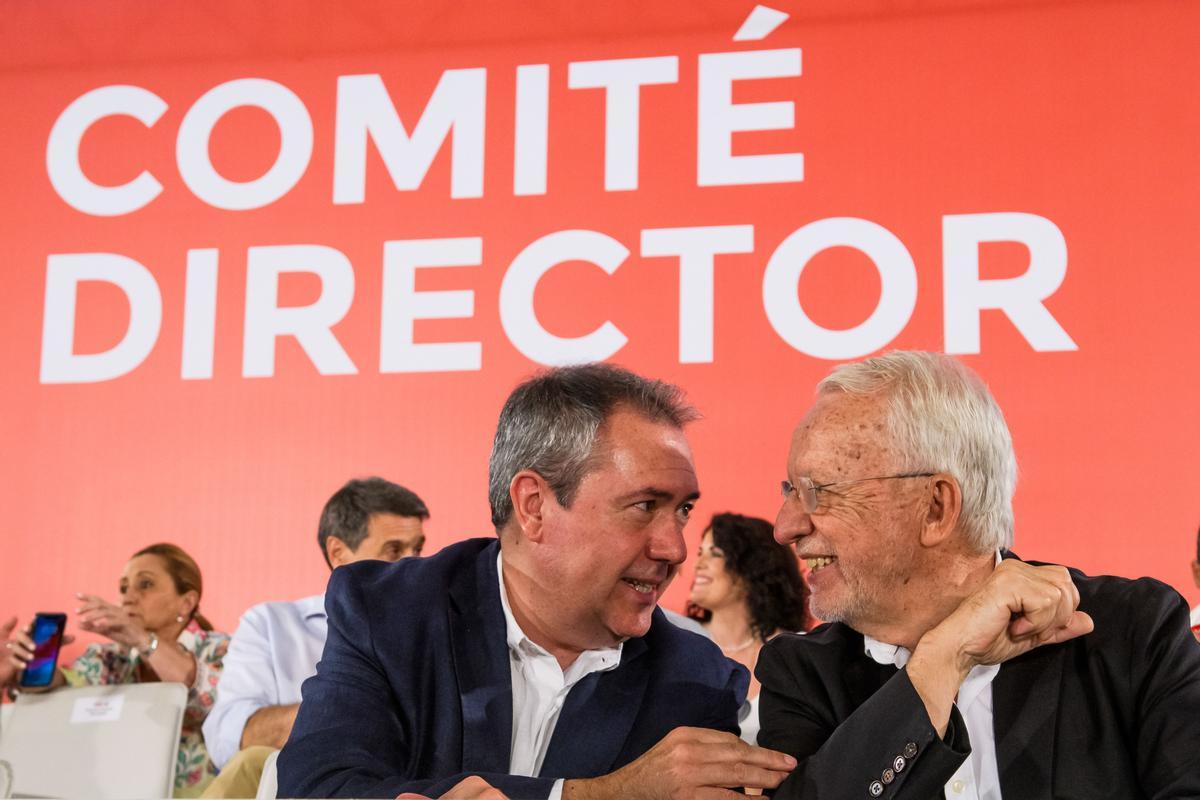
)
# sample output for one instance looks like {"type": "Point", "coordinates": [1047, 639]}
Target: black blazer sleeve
{"type": "Point", "coordinates": [1164, 675]}
{"type": "Point", "coordinates": [853, 737]}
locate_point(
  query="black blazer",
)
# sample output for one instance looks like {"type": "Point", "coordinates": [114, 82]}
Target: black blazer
{"type": "Point", "coordinates": [1114, 714]}
{"type": "Point", "coordinates": [413, 692]}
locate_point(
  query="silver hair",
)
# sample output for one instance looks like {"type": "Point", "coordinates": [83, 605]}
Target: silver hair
{"type": "Point", "coordinates": [550, 425]}
{"type": "Point", "coordinates": [943, 419]}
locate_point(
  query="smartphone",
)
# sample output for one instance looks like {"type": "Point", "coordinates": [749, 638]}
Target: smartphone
{"type": "Point", "coordinates": [47, 640]}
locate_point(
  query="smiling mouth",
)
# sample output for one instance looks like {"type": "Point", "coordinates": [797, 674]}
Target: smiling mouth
{"type": "Point", "coordinates": [641, 587]}
{"type": "Point", "coordinates": [818, 562]}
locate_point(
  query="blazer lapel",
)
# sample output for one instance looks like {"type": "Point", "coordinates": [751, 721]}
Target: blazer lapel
{"type": "Point", "coordinates": [598, 717]}
{"type": "Point", "coordinates": [1025, 697]}
{"type": "Point", "coordinates": [863, 676]}
{"type": "Point", "coordinates": [478, 641]}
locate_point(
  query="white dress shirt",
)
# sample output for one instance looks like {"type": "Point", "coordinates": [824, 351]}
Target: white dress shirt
{"type": "Point", "coordinates": [539, 689]}
{"type": "Point", "coordinates": [1196, 616]}
{"type": "Point", "coordinates": [748, 721]}
{"type": "Point", "coordinates": [275, 649]}
{"type": "Point", "coordinates": [977, 778]}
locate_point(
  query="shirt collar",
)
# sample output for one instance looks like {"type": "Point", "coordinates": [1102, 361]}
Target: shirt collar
{"type": "Point", "coordinates": [603, 658]}
{"type": "Point", "coordinates": [979, 678]}
{"type": "Point", "coordinates": [312, 606]}
{"type": "Point", "coordinates": [884, 653]}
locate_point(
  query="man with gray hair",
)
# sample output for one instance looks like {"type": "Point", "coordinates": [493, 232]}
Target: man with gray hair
{"type": "Point", "coordinates": [537, 665]}
{"type": "Point", "coordinates": [949, 665]}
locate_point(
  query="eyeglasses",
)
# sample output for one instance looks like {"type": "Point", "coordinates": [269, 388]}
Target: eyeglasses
{"type": "Point", "coordinates": [809, 493]}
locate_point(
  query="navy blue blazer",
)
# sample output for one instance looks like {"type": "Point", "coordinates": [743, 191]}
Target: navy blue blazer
{"type": "Point", "coordinates": [413, 692]}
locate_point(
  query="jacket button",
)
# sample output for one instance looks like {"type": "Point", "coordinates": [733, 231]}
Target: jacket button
{"type": "Point", "coordinates": [899, 764]}
{"type": "Point", "coordinates": [888, 776]}
{"type": "Point", "coordinates": [910, 750]}
{"type": "Point", "coordinates": [875, 789]}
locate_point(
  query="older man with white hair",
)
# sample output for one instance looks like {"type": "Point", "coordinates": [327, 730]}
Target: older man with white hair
{"type": "Point", "coordinates": [950, 665]}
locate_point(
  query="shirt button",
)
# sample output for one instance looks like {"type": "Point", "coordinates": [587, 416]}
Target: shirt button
{"type": "Point", "coordinates": [899, 764]}
{"type": "Point", "coordinates": [875, 789]}
{"type": "Point", "coordinates": [888, 776]}
{"type": "Point", "coordinates": [958, 786]}
{"type": "Point", "coordinates": [910, 750]}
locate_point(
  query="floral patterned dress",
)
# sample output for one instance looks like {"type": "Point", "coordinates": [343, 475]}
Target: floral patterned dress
{"type": "Point", "coordinates": [111, 663]}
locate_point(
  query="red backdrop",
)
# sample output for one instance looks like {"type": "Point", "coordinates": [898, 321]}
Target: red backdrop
{"type": "Point", "coordinates": [911, 117]}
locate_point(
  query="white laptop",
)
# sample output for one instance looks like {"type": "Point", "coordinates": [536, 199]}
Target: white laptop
{"type": "Point", "coordinates": [107, 742]}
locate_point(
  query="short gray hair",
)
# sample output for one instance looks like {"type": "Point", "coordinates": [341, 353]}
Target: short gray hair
{"type": "Point", "coordinates": [943, 419]}
{"type": "Point", "coordinates": [550, 424]}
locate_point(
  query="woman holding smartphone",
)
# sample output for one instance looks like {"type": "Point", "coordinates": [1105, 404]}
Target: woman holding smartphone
{"type": "Point", "coordinates": [157, 634]}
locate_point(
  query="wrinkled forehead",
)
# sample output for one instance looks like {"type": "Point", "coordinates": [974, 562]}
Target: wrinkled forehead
{"type": "Point", "coordinates": [841, 433]}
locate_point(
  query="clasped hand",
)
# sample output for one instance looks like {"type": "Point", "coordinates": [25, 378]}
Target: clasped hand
{"type": "Point", "coordinates": [1018, 608]}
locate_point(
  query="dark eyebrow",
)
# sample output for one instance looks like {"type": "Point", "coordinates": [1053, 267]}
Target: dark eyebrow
{"type": "Point", "coordinates": [404, 542]}
{"type": "Point", "coordinates": [657, 494]}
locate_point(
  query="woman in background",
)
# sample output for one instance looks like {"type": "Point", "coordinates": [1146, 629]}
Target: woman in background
{"type": "Point", "coordinates": [157, 633]}
{"type": "Point", "coordinates": [747, 589]}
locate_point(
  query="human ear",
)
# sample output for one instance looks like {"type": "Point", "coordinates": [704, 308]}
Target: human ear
{"type": "Point", "coordinates": [190, 601]}
{"type": "Point", "coordinates": [336, 551]}
{"type": "Point", "coordinates": [528, 492]}
{"type": "Point", "coordinates": [943, 510]}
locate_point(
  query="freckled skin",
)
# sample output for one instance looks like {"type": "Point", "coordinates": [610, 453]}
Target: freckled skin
{"type": "Point", "coordinates": [872, 528]}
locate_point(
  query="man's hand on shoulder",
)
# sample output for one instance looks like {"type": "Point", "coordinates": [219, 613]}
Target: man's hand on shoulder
{"type": "Point", "coordinates": [1019, 607]}
{"type": "Point", "coordinates": [689, 763]}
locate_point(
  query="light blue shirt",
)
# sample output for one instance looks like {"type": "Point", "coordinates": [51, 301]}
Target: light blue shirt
{"type": "Point", "coordinates": [275, 649]}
